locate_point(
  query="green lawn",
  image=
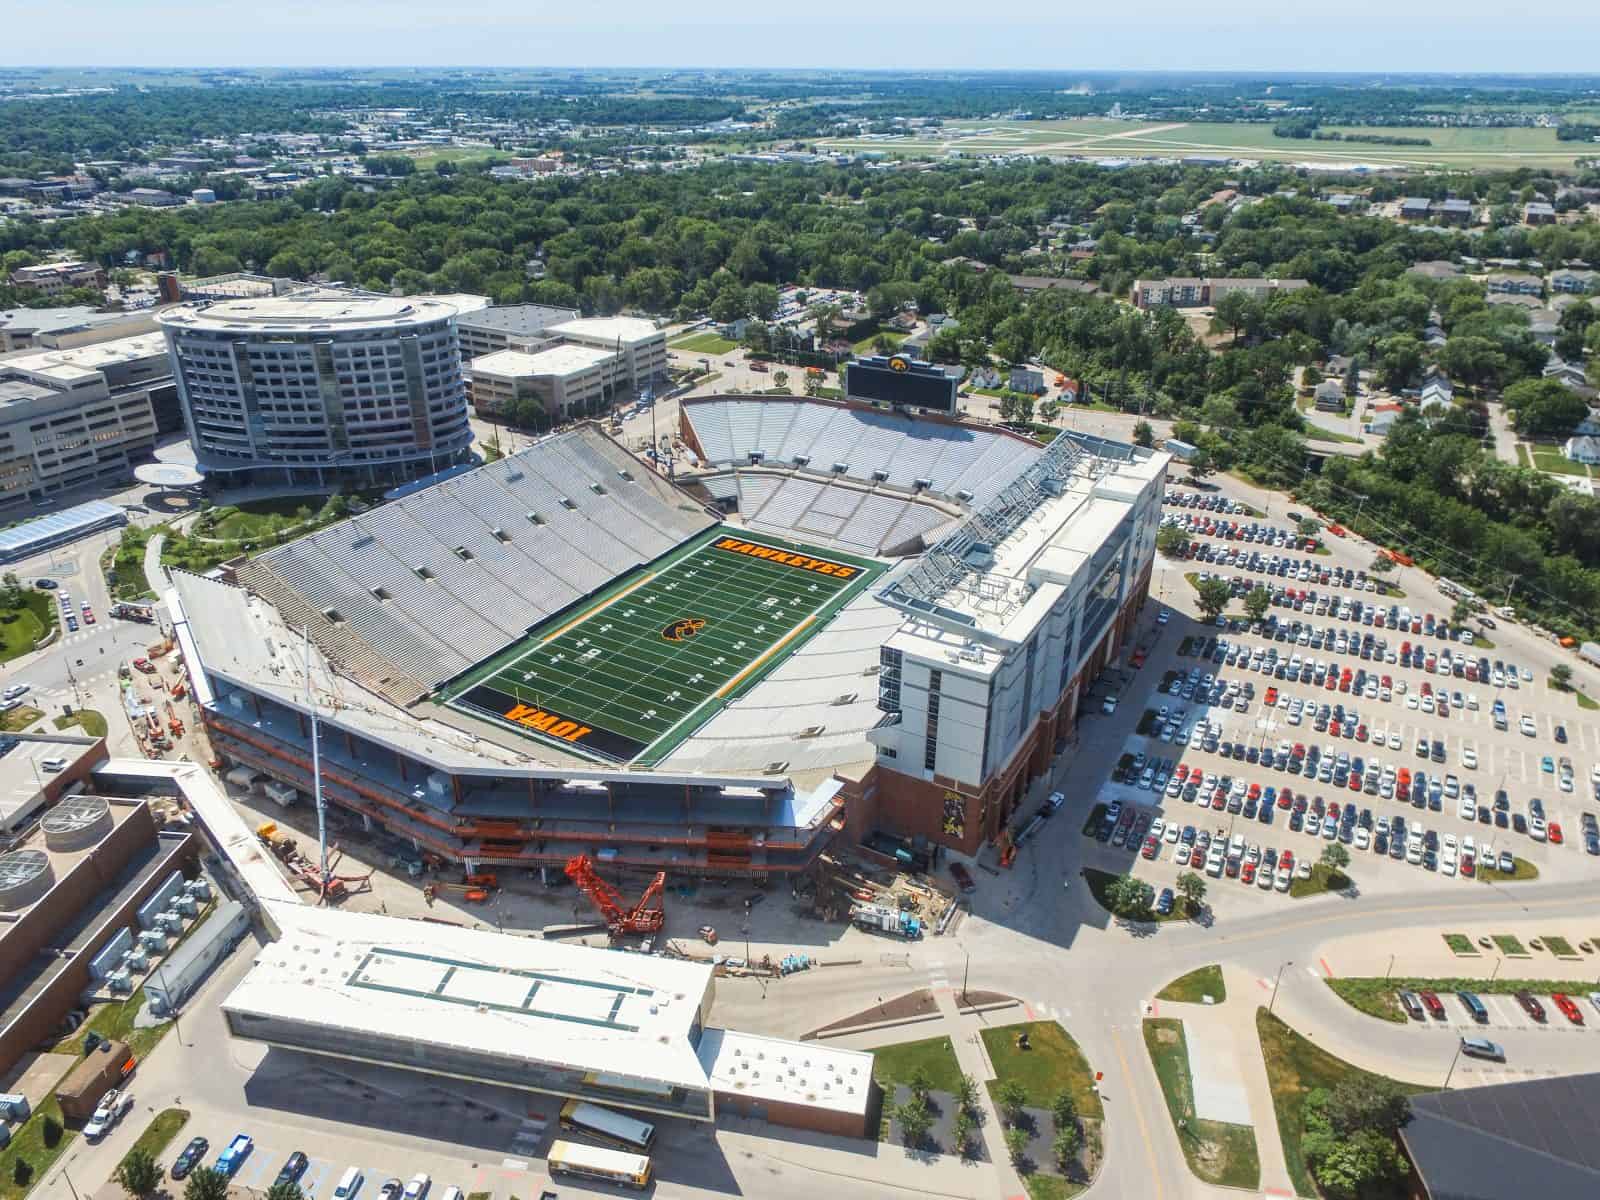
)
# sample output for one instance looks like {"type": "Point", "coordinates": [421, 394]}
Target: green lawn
{"type": "Point", "coordinates": [18, 719]}
{"type": "Point", "coordinates": [1378, 997]}
{"type": "Point", "coordinates": [935, 1056]}
{"type": "Point", "coordinates": [1522, 456]}
{"type": "Point", "coordinates": [92, 723]}
{"type": "Point", "coordinates": [259, 518]}
{"type": "Point", "coordinates": [1296, 1066]}
{"type": "Point", "coordinates": [1558, 945]}
{"type": "Point", "coordinates": [1052, 1063]}
{"type": "Point", "coordinates": [1509, 945]}
{"type": "Point", "coordinates": [1557, 464]}
{"type": "Point", "coordinates": [126, 559]}
{"type": "Point", "coordinates": [865, 345]}
{"type": "Point", "coordinates": [115, 1021]}
{"type": "Point", "coordinates": [159, 1133]}
{"type": "Point", "coordinates": [704, 343]}
{"type": "Point", "coordinates": [1195, 986]}
{"type": "Point", "coordinates": [24, 625]}
{"type": "Point", "coordinates": [1050, 1187]}
{"type": "Point", "coordinates": [28, 1146]}
{"type": "Point", "coordinates": [1323, 879]}
{"type": "Point", "coordinates": [1099, 880]}
{"type": "Point", "coordinates": [1521, 873]}
{"type": "Point", "coordinates": [1460, 944]}
{"type": "Point", "coordinates": [1217, 1152]}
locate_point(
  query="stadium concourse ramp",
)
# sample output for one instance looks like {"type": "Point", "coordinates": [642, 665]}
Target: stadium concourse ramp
{"type": "Point", "coordinates": [415, 592]}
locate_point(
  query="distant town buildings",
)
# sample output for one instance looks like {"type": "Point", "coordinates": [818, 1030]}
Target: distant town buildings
{"type": "Point", "coordinates": [1193, 292]}
{"type": "Point", "coordinates": [51, 279]}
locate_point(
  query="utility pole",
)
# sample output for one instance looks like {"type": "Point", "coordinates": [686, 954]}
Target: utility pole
{"type": "Point", "coordinates": [1453, 1063]}
{"type": "Point", "coordinates": [1276, 982]}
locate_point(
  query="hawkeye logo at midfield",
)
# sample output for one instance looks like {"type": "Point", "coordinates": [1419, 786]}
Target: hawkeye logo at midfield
{"type": "Point", "coordinates": [683, 629]}
{"type": "Point", "coordinates": [548, 723]}
{"type": "Point", "coordinates": [804, 562]}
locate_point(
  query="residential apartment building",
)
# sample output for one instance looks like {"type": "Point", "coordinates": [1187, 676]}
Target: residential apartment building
{"type": "Point", "coordinates": [1513, 283]}
{"type": "Point", "coordinates": [1194, 292]}
{"type": "Point", "coordinates": [51, 279]}
{"type": "Point", "coordinates": [85, 415]}
{"type": "Point", "coordinates": [1539, 213]}
{"type": "Point", "coordinates": [1574, 282]}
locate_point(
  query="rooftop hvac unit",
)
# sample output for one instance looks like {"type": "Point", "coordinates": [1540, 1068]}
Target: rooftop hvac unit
{"type": "Point", "coordinates": [922, 485]}
{"type": "Point", "coordinates": [153, 939]}
{"type": "Point", "coordinates": [187, 905]}
{"type": "Point", "coordinates": [801, 460]}
{"type": "Point", "coordinates": [811, 731]}
{"type": "Point", "coordinates": [167, 922]}
{"type": "Point", "coordinates": [199, 888]}
{"type": "Point", "coordinates": [137, 959]}
{"type": "Point", "coordinates": [120, 981]}
{"type": "Point", "coordinates": [879, 474]}
{"type": "Point", "coordinates": [840, 468]}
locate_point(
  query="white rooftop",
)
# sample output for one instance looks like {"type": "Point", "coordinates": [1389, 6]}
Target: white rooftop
{"type": "Point", "coordinates": [558, 360]}
{"type": "Point", "coordinates": [480, 992]}
{"type": "Point", "coordinates": [78, 363]}
{"type": "Point", "coordinates": [628, 330]}
{"type": "Point", "coordinates": [770, 1069]}
{"type": "Point", "coordinates": [307, 311]}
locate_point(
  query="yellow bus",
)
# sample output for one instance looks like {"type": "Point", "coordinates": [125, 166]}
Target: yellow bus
{"type": "Point", "coordinates": [590, 1162]}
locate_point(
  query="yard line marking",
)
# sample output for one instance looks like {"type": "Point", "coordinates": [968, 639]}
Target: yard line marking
{"type": "Point", "coordinates": [601, 607]}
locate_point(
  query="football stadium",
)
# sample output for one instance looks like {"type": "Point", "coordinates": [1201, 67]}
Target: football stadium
{"type": "Point", "coordinates": [835, 620]}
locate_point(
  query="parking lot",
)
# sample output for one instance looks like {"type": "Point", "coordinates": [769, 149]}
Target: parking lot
{"type": "Point", "coordinates": [1343, 716]}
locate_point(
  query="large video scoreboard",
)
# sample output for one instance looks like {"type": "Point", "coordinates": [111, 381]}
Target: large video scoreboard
{"type": "Point", "coordinates": [899, 380]}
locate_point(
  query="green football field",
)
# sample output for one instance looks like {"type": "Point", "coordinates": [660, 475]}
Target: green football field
{"type": "Point", "coordinates": [638, 669]}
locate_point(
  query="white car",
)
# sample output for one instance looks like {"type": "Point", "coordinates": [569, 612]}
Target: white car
{"type": "Point", "coordinates": [418, 1187]}
{"type": "Point", "coordinates": [1363, 839]}
{"type": "Point", "coordinates": [1468, 810]}
{"type": "Point", "coordinates": [1527, 726]}
{"type": "Point", "coordinates": [15, 690]}
{"type": "Point", "coordinates": [113, 1106]}
{"type": "Point", "coordinates": [1411, 701]}
{"type": "Point", "coordinates": [1536, 828]}
{"type": "Point", "coordinates": [1469, 758]}
{"type": "Point", "coordinates": [1394, 739]}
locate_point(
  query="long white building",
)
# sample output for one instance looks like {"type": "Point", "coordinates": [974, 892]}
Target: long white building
{"type": "Point", "coordinates": [320, 384]}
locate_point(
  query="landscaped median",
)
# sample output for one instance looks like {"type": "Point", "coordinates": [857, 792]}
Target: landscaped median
{"type": "Point", "coordinates": [1198, 986]}
{"type": "Point", "coordinates": [1299, 1071]}
{"type": "Point", "coordinates": [1381, 997]}
{"type": "Point", "coordinates": [1217, 1152]}
{"type": "Point", "coordinates": [1523, 871]}
{"type": "Point", "coordinates": [1103, 886]}
{"type": "Point", "coordinates": [1043, 1086]}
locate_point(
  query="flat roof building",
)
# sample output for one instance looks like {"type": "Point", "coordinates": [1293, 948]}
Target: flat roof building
{"type": "Point", "coordinates": [58, 529]}
{"type": "Point", "coordinates": [559, 382]}
{"type": "Point", "coordinates": [60, 328]}
{"type": "Point", "coordinates": [509, 327]}
{"type": "Point", "coordinates": [319, 385]}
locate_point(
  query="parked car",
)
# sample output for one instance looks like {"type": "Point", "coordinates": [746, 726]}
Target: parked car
{"type": "Point", "coordinates": [1531, 1006]}
{"type": "Point", "coordinates": [113, 1106]}
{"type": "Point", "coordinates": [190, 1158]}
{"type": "Point", "coordinates": [1483, 1048]}
{"type": "Point", "coordinates": [1412, 1003]}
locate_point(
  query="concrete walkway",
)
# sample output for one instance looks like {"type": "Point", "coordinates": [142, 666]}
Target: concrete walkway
{"type": "Point", "coordinates": [154, 572]}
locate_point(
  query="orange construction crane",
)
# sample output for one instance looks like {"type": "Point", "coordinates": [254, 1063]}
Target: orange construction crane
{"type": "Point", "coordinates": [647, 916]}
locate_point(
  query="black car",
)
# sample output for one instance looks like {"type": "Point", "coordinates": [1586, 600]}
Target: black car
{"type": "Point", "coordinates": [294, 1167]}
{"type": "Point", "coordinates": [190, 1158]}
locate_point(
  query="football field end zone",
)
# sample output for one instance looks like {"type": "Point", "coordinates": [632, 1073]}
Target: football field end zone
{"type": "Point", "coordinates": [604, 745]}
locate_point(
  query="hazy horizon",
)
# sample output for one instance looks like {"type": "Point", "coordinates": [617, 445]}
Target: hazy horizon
{"type": "Point", "coordinates": [1471, 37]}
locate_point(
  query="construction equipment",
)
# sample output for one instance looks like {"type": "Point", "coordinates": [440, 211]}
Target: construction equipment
{"type": "Point", "coordinates": [881, 918]}
{"type": "Point", "coordinates": [471, 895]}
{"type": "Point", "coordinates": [647, 916]}
{"type": "Point", "coordinates": [173, 723]}
{"type": "Point", "coordinates": [284, 849]}
{"type": "Point", "coordinates": [160, 648]}
{"type": "Point", "coordinates": [708, 934]}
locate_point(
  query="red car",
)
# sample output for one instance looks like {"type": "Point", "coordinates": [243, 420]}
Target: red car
{"type": "Point", "coordinates": [1248, 873]}
{"type": "Point", "coordinates": [1286, 861]}
{"type": "Point", "coordinates": [1255, 791]}
{"type": "Point", "coordinates": [1333, 681]}
{"type": "Point", "coordinates": [1433, 1004]}
{"type": "Point", "coordinates": [1361, 733]}
{"type": "Point", "coordinates": [1355, 782]}
{"type": "Point", "coordinates": [1151, 845]}
{"type": "Point", "coordinates": [1556, 836]}
{"type": "Point", "coordinates": [1271, 697]}
{"type": "Point", "coordinates": [1285, 798]}
{"type": "Point", "coordinates": [1569, 1010]}
{"type": "Point", "coordinates": [1467, 867]}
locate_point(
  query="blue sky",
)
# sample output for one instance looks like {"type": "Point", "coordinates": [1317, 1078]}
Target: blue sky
{"type": "Point", "coordinates": [1284, 35]}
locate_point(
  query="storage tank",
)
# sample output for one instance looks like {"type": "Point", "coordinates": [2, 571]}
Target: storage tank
{"type": "Point", "coordinates": [25, 876]}
{"type": "Point", "coordinates": [203, 196]}
{"type": "Point", "coordinates": [77, 823]}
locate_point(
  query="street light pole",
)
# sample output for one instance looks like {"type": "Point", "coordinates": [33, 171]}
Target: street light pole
{"type": "Point", "coordinates": [1276, 982]}
{"type": "Point", "coordinates": [1453, 1062]}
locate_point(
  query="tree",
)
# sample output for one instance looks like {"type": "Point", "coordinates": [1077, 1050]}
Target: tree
{"type": "Point", "coordinates": [915, 1120]}
{"type": "Point", "coordinates": [1214, 595]}
{"type": "Point", "coordinates": [288, 1189]}
{"type": "Point", "coordinates": [1461, 612]}
{"type": "Point", "coordinates": [781, 378]}
{"type": "Point", "coordinates": [1063, 1109]}
{"type": "Point", "coordinates": [1381, 564]}
{"type": "Point", "coordinates": [1016, 1144]}
{"type": "Point", "coordinates": [138, 1173]}
{"type": "Point", "coordinates": [1144, 434]}
{"type": "Point", "coordinates": [1561, 677]}
{"type": "Point", "coordinates": [1399, 361]}
{"type": "Point", "coordinates": [206, 1183]}
{"type": "Point", "coordinates": [1335, 857]}
{"type": "Point", "coordinates": [1171, 540]}
{"type": "Point", "coordinates": [1009, 1097]}
{"type": "Point", "coordinates": [1128, 897]}
{"type": "Point", "coordinates": [1353, 1167]}
{"type": "Point", "coordinates": [967, 1091]}
{"type": "Point", "coordinates": [1191, 887]}
{"type": "Point", "coordinates": [963, 1130]}
{"type": "Point", "coordinates": [1544, 408]}
{"type": "Point", "coordinates": [921, 1083]}
{"type": "Point", "coordinates": [1068, 1141]}
{"type": "Point", "coordinates": [1200, 464]}
{"type": "Point", "coordinates": [1352, 377]}
{"type": "Point", "coordinates": [1237, 312]}
{"type": "Point", "coordinates": [1361, 1102]}
{"type": "Point", "coordinates": [1257, 601]}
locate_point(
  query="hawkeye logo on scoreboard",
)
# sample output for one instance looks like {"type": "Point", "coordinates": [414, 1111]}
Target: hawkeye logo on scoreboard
{"type": "Point", "coordinates": [802, 561]}
{"type": "Point", "coordinates": [548, 723]}
{"type": "Point", "coordinates": [899, 363]}
{"type": "Point", "coordinates": [683, 629]}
